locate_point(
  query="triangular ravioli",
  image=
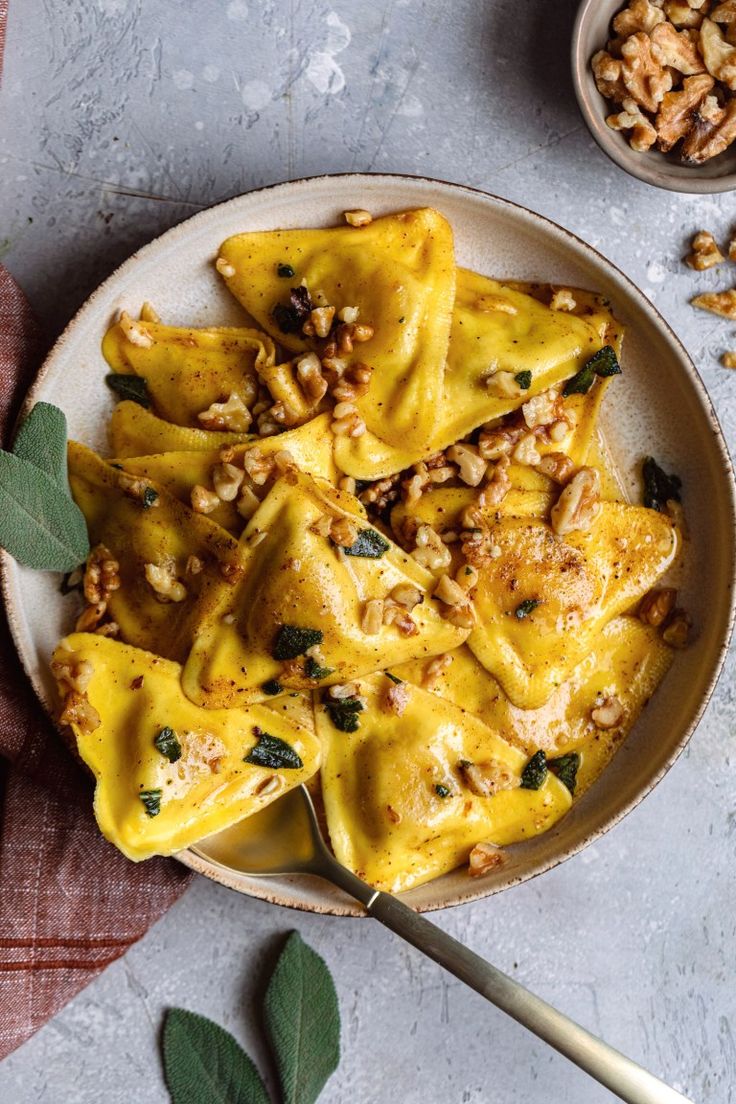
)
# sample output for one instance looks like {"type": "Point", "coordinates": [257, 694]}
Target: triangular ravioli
{"type": "Point", "coordinates": [166, 534]}
{"type": "Point", "coordinates": [186, 370]}
{"type": "Point", "coordinates": [296, 578]}
{"type": "Point", "coordinates": [400, 272]}
{"type": "Point", "coordinates": [310, 447]}
{"type": "Point", "coordinates": [542, 601]}
{"type": "Point", "coordinates": [209, 786]}
{"type": "Point", "coordinates": [386, 818]}
{"type": "Point", "coordinates": [135, 431]}
{"type": "Point", "coordinates": [627, 661]}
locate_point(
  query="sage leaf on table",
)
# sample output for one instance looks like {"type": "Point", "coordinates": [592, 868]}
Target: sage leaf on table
{"type": "Point", "coordinates": [302, 1022]}
{"type": "Point", "coordinates": [41, 440]}
{"type": "Point", "coordinates": [40, 525]}
{"type": "Point", "coordinates": [204, 1064]}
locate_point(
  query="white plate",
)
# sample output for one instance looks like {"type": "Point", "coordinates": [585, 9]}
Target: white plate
{"type": "Point", "coordinates": [659, 406]}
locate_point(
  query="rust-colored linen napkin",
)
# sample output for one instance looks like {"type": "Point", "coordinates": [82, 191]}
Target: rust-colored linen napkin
{"type": "Point", "coordinates": [69, 902]}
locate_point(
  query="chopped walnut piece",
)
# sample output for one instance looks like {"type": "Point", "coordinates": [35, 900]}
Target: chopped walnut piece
{"type": "Point", "coordinates": [718, 54]}
{"type": "Point", "coordinates": [232, 415]}
{"type": "Point", "coordinates": [542, 409]}
{"type": "Point", "coordinates": [344, 532]}
{"type": "Point", "coordinates": [227, 479]}
{"type": "Point", "coordinates": [640, 15]}
{"type": "Point", "coordinates": [607, 713]}
{"type": "Point", "coordinates": [607, 71]}
{"type": "Point", "coordinates": [683, 14]}
{"type": "Point", "coordinates": [395, 614]}
{"type": "Point", "coordinates": [321, 321]}
{"type": "Point", "coordinates": [396, 698]}
{"type": "Point", "coordinates": [722, 303]}
{"type": "Point", "coordinates": [162, 579]}
{"type": "Point", "coordinates": [134, 332]}
{"type": "Point", "coordinates": [643, 135]}
{"type": "Point", "coordinates": [704, 252]}
{"type": "Point", "coordinates": [71, 673]}
{"type": "Point", "coordinates": [471, 466]}
{"type": "Point", "coordinates": [645, 78]}
{"type": "Point", "coordinates": [79, 711]}
{"type": "Point", "coordinates": [203, 500]}
{"type": "Point", "coordinates": [504, 385]}
{"type": "Point", "coordinates": [406, 595]}
{"type": "Point", "coordinates": [142, 490]}
{"type": "Point", "coordinates": [353, 384]}
{"type": "Point", "coordinates": [725, 12]}
{"type": "Point", "coordinates": [347, 421]}
{"type": "Point", "coordinates": [435, 669]}
{"type": "Point", "coordinates": [489, 303]}
{"type": "Point", "coordinates": [485, 857]}
{"type": "Point", "coordinates": [358, 217]}
{"type": "Point", "coordinates": [526, 452]}
{"type": "Point", "coordinates": [728, 360]}
{"type": "Point", "coordinates": [713, 131]}
{"type": "Point", "coordinates": [563, 300]}
{"type": "Point", "coordinates": [579, 503]}
{"type": "Point", "coordinates": [224, 268]}
{"type": "Point", "coordinates": [656, 606]}
{"type": "Point", "coordinates": [101, 575]}
{"type": "Point", "coordinates": [498, 484]}
{"type": "Point", "coordinates": [556, 465]}
{"type": "Point", "coordinates": [372, 616]}
{"type": "Point", "coordinates": [677, 632]}
{"type": "Point", "coordinates": [450, 592]}
{"type": "Point", "coordinates": [309, 375]}
{"type": "Point", "coordinates": [194, 566]}
{"type": "Point", "coordinates": [677, 49]}
{"type": "Point", "coordinates": [430, 550]}
{"type": "Point", "coordinates": [487, 778]}
{"type": "Point", "coordinates": [90, 617]}
{"type": "Point", "coordinates": [498, 441]}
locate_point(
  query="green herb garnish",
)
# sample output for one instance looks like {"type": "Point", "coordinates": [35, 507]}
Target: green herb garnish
{"type": "Point", "coordinates": [272, 752]}
{"type": "Point", "coordinates": [291, 318]}
{"type": "Point", "coordinates": [149, 497]}
{"type": "Point", "coordinates": [343, 712]}
{"type": "Point", "coordinates": [535, 772]}
{"type": "Point", "coordinates": [524, 380]}
{"type": "Point", "coordinates": [292, 641]}
{"type": "Point", "coordinates": [394, 678]}
{"type": "Point", "coordinates": [40, 525]}
{"type": "Point", "coordinates": [603, 363]}
{"type": "Point", "coordinates": [442, 791]}
{"type": "Point", "coordinates": [658, 486]}
{"type": "Point", "coordinates": [151, 801]}
{"type": "Point", "coordinates": [272, 687]}
{"type": "Point", "coordinates": [285, 271]}
{"type": "Point", "coordinates": [130, 387]}
{"type": "Point", "coordinates": [313, 670]}
{"type": "Point", "coordinates": [167, 743]}
{"type": "Point", "coordinates": [566, 769]}
{"type": "Point", "coordinates": [370, 544]}
{"type": "Point", "coordinates": [526, 607]}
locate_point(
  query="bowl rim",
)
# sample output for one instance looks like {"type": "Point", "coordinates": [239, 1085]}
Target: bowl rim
{"type": "Point", "coordinates": [476, 890]}
{"type": "Point", "coordinates": [638, 165]}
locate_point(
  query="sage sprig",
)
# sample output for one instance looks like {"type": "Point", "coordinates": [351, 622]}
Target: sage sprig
{"type": "Point", "coordinates": [203, 1063]}
{"type": "Point", "coordinates": [40, 525]}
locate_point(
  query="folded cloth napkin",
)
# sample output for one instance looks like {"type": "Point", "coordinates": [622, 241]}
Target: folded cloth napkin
{"type": "Point", "coordinates": [69, 902]}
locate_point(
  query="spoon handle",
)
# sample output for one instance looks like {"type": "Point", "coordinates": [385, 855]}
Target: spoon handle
{"type": "Point", "coordinates": [618, 1073]}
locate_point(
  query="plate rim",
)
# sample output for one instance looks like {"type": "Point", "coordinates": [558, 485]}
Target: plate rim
{"type": "Point", "coordinates": [224, 875]}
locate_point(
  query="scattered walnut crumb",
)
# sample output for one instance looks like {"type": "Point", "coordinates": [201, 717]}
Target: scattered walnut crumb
{"type": "Point", "coordinates": [676, 632]}
{"type": "Point", "coordinates": [232, 415]}
{"type": "Point", "coordinates": [485, 857]}
{"type": "Point", "coordinates": [396, 698]}
{"type": "Point", "coordinates": [579, 503]}
{"type": "Point", "coordinates": [162, 579]}
{"type": "Point", "coordinates": [656, 606]}
{"type": "Point", "coordinates": [487, 778]}
{"type": "Point", "coordinates": [358, 217]}
{"type": "Point", "coordinates": [435, 669]}
{"type": "Point", "coordinates": [372, 620]}
{"type": "Point", "coordinates": [607, 713]}
{"type": "Point", "coordinates": [79, 711]}
{"type": "Point", "coordinates": [728, 360]}
{"type": "Point", "coordinates": [722, 303]}
{"type": "Point", "coordinates": [704, 253]}
{"type": "Point", "coordinates": [134, 332]}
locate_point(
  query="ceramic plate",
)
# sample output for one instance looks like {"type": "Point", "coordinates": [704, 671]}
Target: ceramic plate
{"type": "Point", "coordinates": [659, 406]}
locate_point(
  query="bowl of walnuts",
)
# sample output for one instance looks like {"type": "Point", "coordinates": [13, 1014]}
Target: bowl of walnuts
{"type": "Point", "coordinates": [656, 84]}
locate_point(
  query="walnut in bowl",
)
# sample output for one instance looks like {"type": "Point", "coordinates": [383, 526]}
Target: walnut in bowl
{"type": "Point", "coordinates": [656, 84]}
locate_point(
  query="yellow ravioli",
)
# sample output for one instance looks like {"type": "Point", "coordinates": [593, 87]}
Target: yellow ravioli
{"type": "Point", "coordinates": [186, 370]}
{"type": "Point", "coordinates": [627, 661]}
{"type": "Point", "coordinates": [294, 576]}
{"type": "Point", "coordinates": [310, 447]}
{"type": "Point", "coordinates": [400, 272]}
{"type": "Point", "coordinates": [387, 821]}
{"type": "Point", "coordinates": [135, 431]}
{"type": "Point", "coordinates": [166, 534]}
{"type": "Point", "coordinates": [542, 601]}
{"type": "Point", "coordinates": [209, 787]}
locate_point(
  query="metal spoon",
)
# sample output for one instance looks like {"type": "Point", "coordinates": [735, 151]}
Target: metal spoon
{"type": "Point", "coordinates": [285, 838]}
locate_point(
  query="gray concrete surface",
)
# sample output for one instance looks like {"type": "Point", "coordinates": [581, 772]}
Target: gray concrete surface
{"type": "Point", "coordinates": [121, 118]}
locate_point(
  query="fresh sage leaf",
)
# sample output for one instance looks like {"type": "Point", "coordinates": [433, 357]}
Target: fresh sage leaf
{"type": "Point", "coordinates": [151, 801]}
{"type": "Point", "coordinates": [129, 386]}
{"type": "Point", "coordinates": [204, 1064]}
{"type": "Point", "coordinates": [535, 772]}
{"type": "Point", "coordinates": [41, 440]}
{"type": "Point", "coordinates": [302, 1022]}
{"type": "Point", "coordinates": [526, 607]}
{"type": "Point", "coordinates": [524, 380]}
{"type": "Point", "coordinates": [441, 790]}
{"type": "Point", "coordinates": [343, 712]}
{"type": "Point", "coordinates": [370, 545]}
{"type": "Point", "coordinates": [566, 769]}
{"type": "Point", "coordinates": [40, 525]}
{"type": "Point", "coordinates": [272, 687]}
{"type": "Point", "coordinates": [603, 363]}
{"type": "Point", "coordinates": [312, 670]}
{"type": "Point", "coordinates": [659, 487]}
{"type": "Point", "coordinates": [272, 752]}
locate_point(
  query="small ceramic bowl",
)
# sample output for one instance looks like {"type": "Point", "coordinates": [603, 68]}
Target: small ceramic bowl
{"type": "Point", "coordinates": [590, 34]}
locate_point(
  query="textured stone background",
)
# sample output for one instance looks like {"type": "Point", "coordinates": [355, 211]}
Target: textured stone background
{"type": "Point", "coordinates": [121, 118]}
